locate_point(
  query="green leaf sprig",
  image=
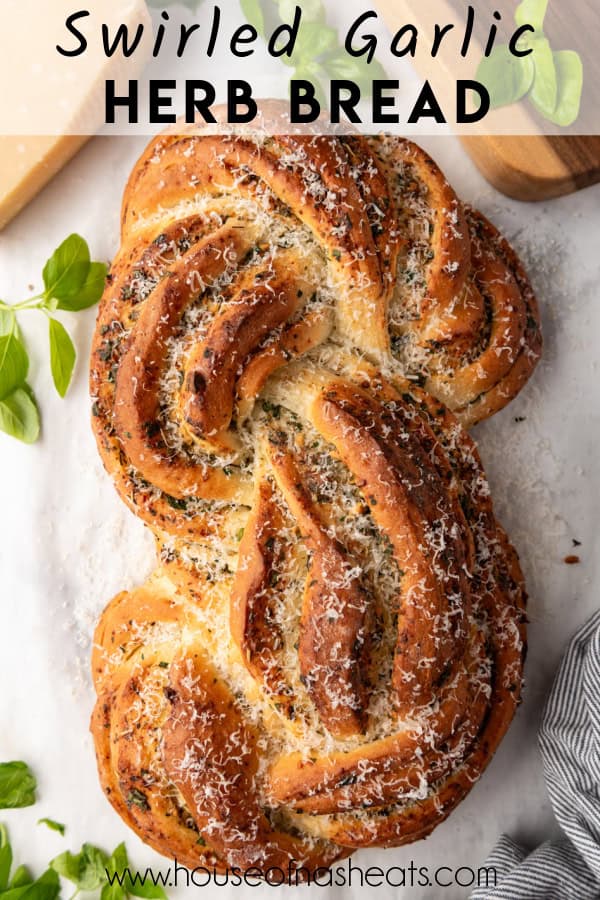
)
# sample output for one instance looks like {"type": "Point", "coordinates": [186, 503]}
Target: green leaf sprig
{"type": "Point", "coordinates": [21, 885]}
{"type": "Point", "coordinates": [72, 282]}
{"type": "Point", "coordinates": [552, 80]}
{"type": "Point", "coordinates": [91, 869]}
{"type": "Point", "coordinates": [318, 55]}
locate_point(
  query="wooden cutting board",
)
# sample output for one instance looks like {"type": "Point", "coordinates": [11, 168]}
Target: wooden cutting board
{"type": "Point", "coordinates": [530, 167]}
{"type": "Point", "coordinates": [537, 167]}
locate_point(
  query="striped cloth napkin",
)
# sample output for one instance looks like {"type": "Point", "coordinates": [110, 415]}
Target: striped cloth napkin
{"type": "Point", "coordinates": [569, 868]}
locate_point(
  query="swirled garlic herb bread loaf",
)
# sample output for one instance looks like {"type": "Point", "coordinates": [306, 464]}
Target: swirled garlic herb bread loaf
{"type": "Point", "coordinates": [295, 333]}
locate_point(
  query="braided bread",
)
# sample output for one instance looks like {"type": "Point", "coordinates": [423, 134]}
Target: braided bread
{"type": "Point", "coordinates": [331, 648]}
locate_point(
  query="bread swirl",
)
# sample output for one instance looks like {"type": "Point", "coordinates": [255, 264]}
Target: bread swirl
{"type": "Point", "coordinates": [332, 646]}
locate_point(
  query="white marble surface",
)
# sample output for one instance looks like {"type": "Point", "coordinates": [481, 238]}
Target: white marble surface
{"type": "Point", "coordinates": [67, 543]}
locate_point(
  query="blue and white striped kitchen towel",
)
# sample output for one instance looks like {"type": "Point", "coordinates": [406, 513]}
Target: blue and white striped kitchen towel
{"type": "Point", "coordinates": [569, 868]}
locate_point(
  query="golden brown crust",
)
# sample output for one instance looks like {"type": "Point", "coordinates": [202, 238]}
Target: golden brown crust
{"type": "Point", "coordinates": [332, 646]}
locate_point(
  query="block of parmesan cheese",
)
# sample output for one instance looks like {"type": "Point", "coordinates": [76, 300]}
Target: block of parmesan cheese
{"type": "Point", "coordinates": [27, 163]}
{"type": "Point", "coordinates": [52, 103]}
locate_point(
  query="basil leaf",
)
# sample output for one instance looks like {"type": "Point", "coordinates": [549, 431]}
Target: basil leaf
{"type": "Point", "coordinates": [67, 269]}
{"type": "Point", "coordinates": [569, 76]}
{"type": "Point", "coordinates": [506, 77]}
{"type": "Point", "coordinates": [253, 12]}
{"type": "Point", "coordinates": [47, 887]}
{"type": "Point", "coordinates": [93, 867]}
{"type": "Point", "coordinates": [113, 891]}
{"type": "Point", "coordinates": [313, 41]}
{"type": "Point", "coordinates": [342, 65]}
{"type": "Point", "coordinates": [149, 890]}
{"type": "Point", "coordinates": [312, 10]}
{"type": "Point", "coordinates": [5, 858]}
{"type": "Point", "coordinates": [544, 91]}
{"type": "Point", "coordinates": [52, 825]}
{"type": "Point", "coordinates": [118, 860]}
{"type": "Point", "coordinates": [7, 321]}
{"type": "Point", "coordinates": [17, 782]}
{"type": "Point", "coordinates": [67, 865]}
{"type": "Point", "coordinates": [20, 418]}
{"type": "Point", "coordinates": [264, 15]}
{"type": "Point", "coordinates": [531, 12]}
{"type": "Point", "coordinates": [116, 865]}
{"type": "Point", "coordinates": [62, 356]}
{"type": "Point", "coordinates": [21, 877]}
{"type": "Point", "coordinates": [86, 869]}
{"type": "Point", "coordinates": [14, 364]}
{"type": "Point", "coordinates": [90, 291]}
